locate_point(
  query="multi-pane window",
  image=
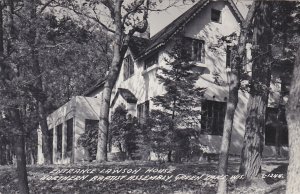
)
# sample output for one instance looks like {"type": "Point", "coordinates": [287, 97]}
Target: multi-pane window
{"type": "Point", "coordinates": [212, 117]}
{"type": "Point", "coordinates": [195, 49]}
{"type": "Point", "coordinates": [128, 67]}
{"type": "Point", "coordinates": [228, 56]}
{"type": "Point", "coordinates": [69, 137]}
{"type": "Point", "coordinates": [276, 133]}
{"type": "Point", "coordinates": [143, 111]}
{"type": "Point", "coordinates": [151, 60]}
{"type": "Point", "coordinates": [216, 15]}
{"type": "Point", "coordinates": [59, 140]}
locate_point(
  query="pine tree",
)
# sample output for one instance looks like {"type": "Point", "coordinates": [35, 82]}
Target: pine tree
{"type": "Point", "coordinates": [177, 111]}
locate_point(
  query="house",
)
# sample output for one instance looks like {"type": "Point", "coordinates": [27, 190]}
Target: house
{"type": "Point", "coordinates": [202, 26]}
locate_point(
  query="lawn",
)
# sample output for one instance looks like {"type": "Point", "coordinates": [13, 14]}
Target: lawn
{"type": "Point", "coordinates": [138, 177]}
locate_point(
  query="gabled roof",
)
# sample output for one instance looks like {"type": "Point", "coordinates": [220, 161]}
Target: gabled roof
{"type": "Point", "coordinates": [160, 38]}
{"type": "Point", "coordinates": [138, 44]}
{"type": "Point", "coordinates": [96, 86]}
{"type": "Point", "coordinates": [126, 95]}
{"type": "Point", "coordinates": [141, 47]}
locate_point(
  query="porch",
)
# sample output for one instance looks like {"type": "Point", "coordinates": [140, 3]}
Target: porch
{"type": "Point", "coordinates": [66, 125]}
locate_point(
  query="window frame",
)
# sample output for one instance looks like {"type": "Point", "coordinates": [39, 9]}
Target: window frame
{"type": "Point", "coordinates": [70, 136]}
{"type": "Point", "coordinates": [190, 45]}
{"type": "Point", "coordinates": [143, 111]}
{"type": "Point", "coordinates": [271, 141]}
{"type": "Point", "coordinates": [212, 120]}
{"type": "Point", "coordinates": [59, 140]}
{"type": "Point", "coordinates": [128, 67]}
{"type": "Point", "coordinates": [216, 13]}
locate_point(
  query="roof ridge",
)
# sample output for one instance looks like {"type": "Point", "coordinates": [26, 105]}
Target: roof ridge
{"type": "Point", "coordinates": [164, 34]}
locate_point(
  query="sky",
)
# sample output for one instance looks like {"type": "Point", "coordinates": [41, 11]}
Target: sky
{"type": "Point", "coordinates": [158, 20]}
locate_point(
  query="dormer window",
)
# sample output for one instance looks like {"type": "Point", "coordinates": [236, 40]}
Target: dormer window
{"type": "Point", "coordinates": [128, 67]}
{"type": "Point", "coordinates": [216, 16]}
{"type": "Point", "coordinates": [151, 60]}
{"type": "Point", "coordinates": [195, 49]}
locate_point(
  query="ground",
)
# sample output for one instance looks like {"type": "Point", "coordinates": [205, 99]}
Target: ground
{"type": "Point", "coordinates": [140, 177]}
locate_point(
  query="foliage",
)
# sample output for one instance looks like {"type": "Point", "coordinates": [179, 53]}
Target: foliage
{"type": "Point", "coordinates": [68, 60]}
{"type": "Point", "coordinates": [125, 132]}
{"type": "Point", "coordinates": [89, 138]}
{"type": "Point", "coordinates": [177, 116]}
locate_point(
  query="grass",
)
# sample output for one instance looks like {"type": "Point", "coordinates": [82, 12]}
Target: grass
{"type": "Point", "coordinates": [8, 179]}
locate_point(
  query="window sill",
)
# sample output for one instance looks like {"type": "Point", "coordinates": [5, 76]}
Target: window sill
{"type": "Point", "coordinates": [149, 69]}
{"type": "Point", "coordinates": [218, 22]}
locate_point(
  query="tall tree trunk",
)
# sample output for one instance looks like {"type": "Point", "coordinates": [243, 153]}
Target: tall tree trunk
{"type": "Point", "coordinates": [2, 144]}
{"type": "Point", "coordinates": [38, 90]}
{"type": "Point", "coordinates": [170, 156]}
{"type": "Point", "coordinates": [120, 45]}
{"type": "Point", "coordinates": [119, 49]}
{"type": "Point", "coordinates": [228, 123]}
{"type": "Point", "coordinates": [251, 155]}
{"type": "Point", "coordinates": [279, 124]}
{"type": "Point", "coordinates": [238, 57]}
{"type": "Point", "coordinates": [46, 140]}
{"type": "Point", "coordinates": [2, 66]}
{"type": "Point", "coordinates": [293, 120]}
{"type": "Point", "coordinates": [104, 108]}
{"type": "Point", "coordinates": [20, 152]}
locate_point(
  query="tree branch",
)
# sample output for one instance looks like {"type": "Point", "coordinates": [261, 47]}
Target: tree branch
{"type": "Point", "coordinates": [133, 10]}
{"type": "Point", "coordinates": [110, 5]}
{"type": "Point", "coordinates": [96, 19]}
{"type": "Point", "coordinates": [143, 28]}
{"type": "Point", "coordinates": [45, 6]}
{"type": "Point", "coordinates": [163, 9]}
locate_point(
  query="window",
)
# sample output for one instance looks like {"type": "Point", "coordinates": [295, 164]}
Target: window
{"type": "Point", "coordinates": [195, 49]}
{"type": "Point", "coordinates": [69, 137]}
{"type": "Point", "coordinates": [51, 141]}
{"type": "Point", "coordinates": [143, 112]}
{"type": "Point", "coordinates": [228, 56]}
{"type": "Point", "coordinates": [59, 140]}
{"type": "Point", "coordinates": [216, 15]}
{"type": "Point", "coordinates": [91, 130]}
{"type": "Point", "coordinates": [212, 117]}
{"type": "Point", "coordinates": [276, 133]}
{"type": "Point", "coordinates": [128, 67]}
{"type": "Point", "coordinates": [152, 60]}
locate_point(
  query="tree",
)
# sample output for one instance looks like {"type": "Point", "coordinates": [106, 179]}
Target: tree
{"type": "Point", "coordinates": [177, 112]}
{"type": "Point", "coordinates": [259, 91]}
{"type": "Point", "coordinates": [125, 19]}
{"type": "Point", "coordinates": [10, 90]}
{"type": "Point", "coordinates": [238, 59]}
{"type": "Point", "coordinates": [274, 47]}
{"type": "Point", "coordinates": [27, 76]}
{"type": "Point", "coordinates": [62, 42]}
{"type": "Point", "coordinates": [37, 89]}
{"type": "Point", "coordinates": [293, 112]}
{"type": "Point", "coordinates": [125, 132]}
